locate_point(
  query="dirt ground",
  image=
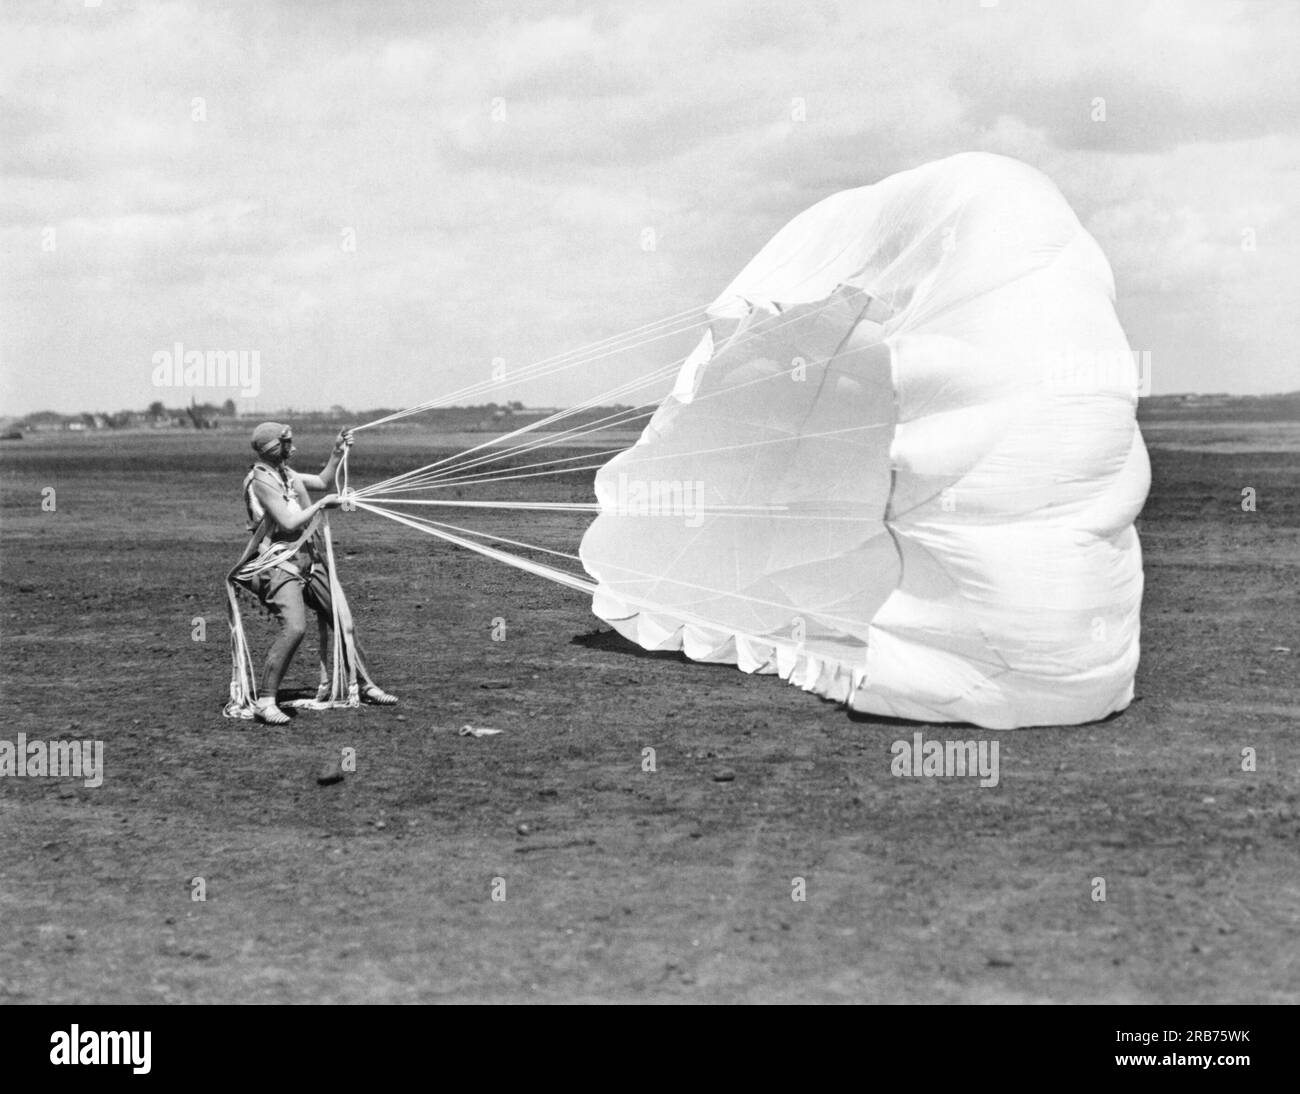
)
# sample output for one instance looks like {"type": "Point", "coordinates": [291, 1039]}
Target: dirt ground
{"type": "Point", "coordinates": [619, 884]}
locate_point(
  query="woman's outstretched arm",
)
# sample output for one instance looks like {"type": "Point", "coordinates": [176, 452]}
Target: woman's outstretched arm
{"type": "Point", "coordinates": [325, 479]}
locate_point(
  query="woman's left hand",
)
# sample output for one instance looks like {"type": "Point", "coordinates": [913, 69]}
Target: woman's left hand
{"type": "Point", "coordinates": [343, 442]}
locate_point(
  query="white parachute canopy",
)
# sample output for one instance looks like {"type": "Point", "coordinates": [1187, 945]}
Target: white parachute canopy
{"type": "Point", "coordinates": [902, 468]}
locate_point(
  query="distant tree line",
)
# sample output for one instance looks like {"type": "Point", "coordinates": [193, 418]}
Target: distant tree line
{"type": "Point", "coordinates": [213, 416]}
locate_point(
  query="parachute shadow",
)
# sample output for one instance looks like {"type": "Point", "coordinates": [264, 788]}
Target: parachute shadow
{"type": "Point", "coordinates": [612, 641]}
{"type": "Point", "coordinates": [886, 722]}
{"type": "Point", "coordinates": [905, 723]}
{"type": "Point", "coordinates": [288, 695]}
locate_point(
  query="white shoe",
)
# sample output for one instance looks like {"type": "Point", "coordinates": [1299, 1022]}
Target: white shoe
{"type": "Point", "coordinates": [268, 713]}
{"type": "Point", "coordinates": [373, 693]}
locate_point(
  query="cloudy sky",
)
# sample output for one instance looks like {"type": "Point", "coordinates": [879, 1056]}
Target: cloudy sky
{"type": "Point", "coordinates": [197, 172]}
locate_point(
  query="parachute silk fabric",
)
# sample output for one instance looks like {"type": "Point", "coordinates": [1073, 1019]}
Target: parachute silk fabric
{"type": "Point", "coordinates": [902, 468]}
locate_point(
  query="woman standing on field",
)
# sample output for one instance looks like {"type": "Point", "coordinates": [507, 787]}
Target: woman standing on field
{"type": "Point", "coordinates": [277, 500]}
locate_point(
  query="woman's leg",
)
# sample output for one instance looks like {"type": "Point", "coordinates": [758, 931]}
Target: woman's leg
{"type": "Point", "coordinates": [318, 597]}
{"type": "Point", "coordinates": [325, 633]}
{"type": "Point", "coordinates": [326, 625]}
{"type": "Point", "coordinates": [286, 603]}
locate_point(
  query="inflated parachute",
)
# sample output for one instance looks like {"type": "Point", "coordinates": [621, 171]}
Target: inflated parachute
{"type": "Point", "coordinates": [901, 469]}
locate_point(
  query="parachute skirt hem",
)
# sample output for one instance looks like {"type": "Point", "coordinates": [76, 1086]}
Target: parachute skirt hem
{"type": "Point", "coordinates": [985, 705]}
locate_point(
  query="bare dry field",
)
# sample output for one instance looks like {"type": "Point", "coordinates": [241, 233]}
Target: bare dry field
{"type": "Point", "coordinates": [619, 884]}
